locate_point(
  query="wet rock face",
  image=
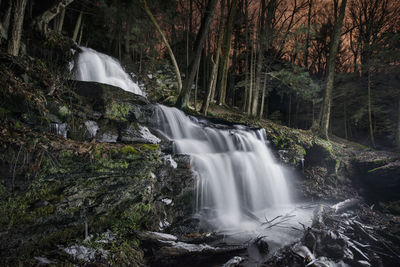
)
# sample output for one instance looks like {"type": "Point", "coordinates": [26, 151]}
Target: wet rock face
{"type": "Point", "coordinates": [378, 174]}
{"type": "Point", "coordinates": [69, 192]}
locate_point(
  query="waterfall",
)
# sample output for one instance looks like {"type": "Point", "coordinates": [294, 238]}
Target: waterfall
{"type": "Point", "coordinates": [237, 173]}
{"type": "Point", "coordinates": [93, 66]}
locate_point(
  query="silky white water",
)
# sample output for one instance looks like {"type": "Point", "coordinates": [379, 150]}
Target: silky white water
{"type": "Point", "coordinates": [93, 66]}
{"type": "Point", "coordinates": [237, 173]}
{"type": "Point", "coordinates": [239, 184]}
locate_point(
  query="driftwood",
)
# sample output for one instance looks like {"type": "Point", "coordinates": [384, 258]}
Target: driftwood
{"type": "Point", "coordinates": [169, 248]}
{"type": "Point", "coordinates": [345, 205]}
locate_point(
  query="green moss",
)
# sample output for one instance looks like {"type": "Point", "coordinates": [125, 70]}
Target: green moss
{"type": "Point", "coordinates": [106, 164]}
{"type": "Point", "coordinates": [64, 112]}
{"type": "Point", "coordinates": [374, 169]}
{"type": "Point", "coordinates": [150, 146]}
{"type": "Point", "coordinates": [133, 218]}
{"type": "Point", "coordinates": [127, 253]}
{"type": "Point", "coordinates": [118, 111]}
{"type": "Point", "coordinates": [126, 150]}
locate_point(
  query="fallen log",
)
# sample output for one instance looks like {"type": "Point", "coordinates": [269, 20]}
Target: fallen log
{"type": "Point", "coordinates": [345, 205]}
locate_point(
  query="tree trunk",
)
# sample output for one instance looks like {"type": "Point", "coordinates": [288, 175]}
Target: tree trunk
{"type": "Point", "coordinates": [14, 40]}
{"type": "Point", "coordinates": [6, 22]}
{"type": "Point", "coordinates": [41, 22]}
{"type": "Point", "coordinates": [260, 52]}
{"type": "Point", "coordinates": [371, 128]}
{"type": "Point", "coordinates": [333, 49]}
{"type": "Point", "coordinates": [61, 21]}
{"type": "Point", "coordinates": [263, 96]}
{"type": "Point", "coordinates": [308, 34]}
{"type": "Point", "coordinates": [77, 26]}
{"type": "Point", "coordinates": [246, 86]}
{"type": "Point", "coordinates": [226, 52]}
{"type": "Point", "coordinates": [296, 114]}
{"type": "Point", "coordinates": [171, 54]}
{"type": "Point", "coordinates": [81, 33]}
{"type": "Point", "coordinates": [207, 98]}
{"type": "Point", "coordinates": [218, 59]}
{"type": "Point", "coordinates": [252, 60]}
{"type": "Point", "coordinates": [184, 96]}
{"type": "Point", "coordinates": [195, 88]}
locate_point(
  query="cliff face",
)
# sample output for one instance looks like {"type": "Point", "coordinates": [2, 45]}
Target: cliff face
{"type": "Point", "coordinates": [80, 174]}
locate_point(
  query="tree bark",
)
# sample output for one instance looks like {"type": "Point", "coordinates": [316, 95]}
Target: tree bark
{"type": "Point", "coordinates": [61, 21]}
{"type": "Point", "coordinates": [42, 21]}
{"type": "Point", "coordinates": [214, 72]}
{"type": "Point", "coordinates": [6, 22]}
{"type": "Point", "coordinates": [226, 52]}
{"type": "Point", "coordinates": [260, 52]}
{"type": "Point", "coordinates": [252, 64]}
{"type": "Point", "coordinates": [171, 54]}
{"type": "Point", "coordinates": [195, 88]}
{"type": "Point", "coordinates": [77, 26]}
{"type": "Point", "coordinates": [18, 7]}
{"type": "Point", "coordinates": [263, 96]}
{"type": "Point", "coordinates": [81, 33]}
{"type": "Point", "coordinates": [184, 96]}
{"type": "Point", "coordinates": [308, 33]}
{"type": "Point", "coordinates": [371, 128]}
{"type": "Point", "coordinates": [206, 102]}
{"type": "Point", "coordinates": [333, 49]}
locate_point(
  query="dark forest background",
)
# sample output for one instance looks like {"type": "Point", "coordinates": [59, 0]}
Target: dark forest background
{"type": "Point", "coordinates": [330, 66]}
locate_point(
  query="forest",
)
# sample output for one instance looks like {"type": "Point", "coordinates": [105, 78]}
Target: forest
{"type": "Point", "coordinates": [200, 132]}
{"type": "Point", "coordinates": [273, 59]}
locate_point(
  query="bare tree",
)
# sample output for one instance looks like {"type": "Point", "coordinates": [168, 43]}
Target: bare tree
{"type": "Point", "coordinates": [333, 49]}
{"type": "Point", "coordinates": [42, 21]}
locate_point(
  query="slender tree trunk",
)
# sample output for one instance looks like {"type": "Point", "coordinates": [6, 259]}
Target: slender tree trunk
{"type": "Point", "coordinates": [371, 128]}
{"type": "Point", "coordinates": [61, 21]}
{"type": "Point", "coordinates": [218, 59]}
{"type": "Point", "coordinates": [260, 52]}
{"type": "Point", "coordinates": [226, 52]}
{"type": "Point", "coordinates": [246, 86]}
{"type": "Point", "coordinates": [16, 27]}
{"type": "Point", "coordinates": [6, 22]}
{"type": "Point", "coordinates": [252, 60]}
{"type": "Point", "coordinates": [171, 54]}
{"type": "Point", "coordinates": [41, 22]}
{"type": "Point", "coordinates": [77, 26]}
{"type": "Point", "coordinates": [81, 34]}
{"type": "Point", "coordinates": [263, 96]}
{"type": "Point", "coordinates": [296, 114]}
{"type": "Point", "coordinates": [195, 88]}
{"type": "Point", "coordinates": [184, 96]}
{"type": "Point", "coordinates": [333, 49]}
{"type": "Point", "coordinates": [207, 98]}
{"type": "Point", "coordinates": [308, 33]}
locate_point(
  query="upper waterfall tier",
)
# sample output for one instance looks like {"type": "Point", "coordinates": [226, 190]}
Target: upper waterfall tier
{"type": "Point", "coordinates": [93, 66]}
